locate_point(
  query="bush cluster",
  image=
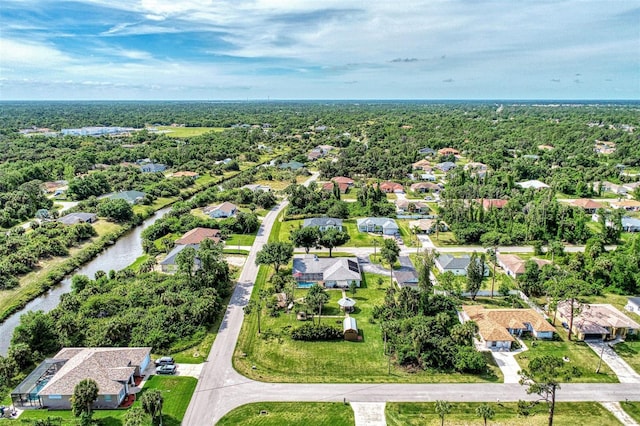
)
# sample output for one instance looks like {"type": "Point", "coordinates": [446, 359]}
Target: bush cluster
{"type": "Point", "coordinates": [316, 332]}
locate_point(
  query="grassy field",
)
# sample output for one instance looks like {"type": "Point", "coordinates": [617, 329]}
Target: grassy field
{"type": "Point", "coordinates": [632, 408]}
{"type": "Point", "coordinates": [186, 132]}
{"type": "Point", "coordinates": [630, 351]}
{"type": "Point", "coordinates": [443, 239]}
{"type": "Point", "coordinates": [176, 392]}
{"type": "Point", "coordinates": [290, 413]}
{"type": "Point", "coordinates": [567, 413]}
{"type": "Point", "coordinates": [277, 358]}
{"type": "Point", "coordinates": [579, 354]}
{"type": "Point", "coordinates": [358, 239]}
{"type": "Point", "coordinates": [240, 240]}
{"type": "Point", "coordinates": [409, 238]}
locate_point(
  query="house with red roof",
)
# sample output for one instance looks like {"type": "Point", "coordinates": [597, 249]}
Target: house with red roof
{"type": "Point", "coordinates": [391, 187]}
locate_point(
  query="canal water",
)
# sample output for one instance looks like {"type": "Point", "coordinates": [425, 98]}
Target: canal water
{"type": "Point", "coordinates": [118, 256]}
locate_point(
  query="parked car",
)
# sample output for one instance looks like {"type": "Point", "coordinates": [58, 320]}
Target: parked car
{"type": "Point", "coordinates": [165, 360]}
{"type": "Point", "coordinates": [166, 369]}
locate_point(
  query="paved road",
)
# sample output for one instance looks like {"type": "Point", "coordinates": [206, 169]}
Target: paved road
{"type": "Point", "coordinates": [221, 389]}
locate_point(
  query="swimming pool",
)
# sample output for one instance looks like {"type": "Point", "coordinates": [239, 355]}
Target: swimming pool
{"type": "Point", "coordinates": [305, 284]}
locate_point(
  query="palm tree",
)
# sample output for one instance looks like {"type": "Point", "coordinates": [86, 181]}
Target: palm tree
{"type": "Point", "coordinates": [442, 409]}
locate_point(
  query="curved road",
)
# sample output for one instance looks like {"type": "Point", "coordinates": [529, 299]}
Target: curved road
{"type": "Point", "coordinates": [221, 389]}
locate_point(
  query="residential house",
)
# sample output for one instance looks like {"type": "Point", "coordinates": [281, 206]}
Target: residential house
{"type": "Point", "coordinates": [383, 225]}
{"type": "Point", "coordinates": [589, 206]}
{"type": "Point", "coordinates": [55, 186]}
{"type": "Point", "coordinates": [545, 147]}
{"type": "Point", "coordinates": [448, 151]}
{"type": "Point", "coordinates": [497, 327]}
{"type": "Point", "coordinates": [323, 223]}
{"type": "Point", "coordinates": [153, 168]}
{"type": "Point", "coordinates": [476, 169]}
{"type": "Point", "coordinates": [292, 165]}
{"type": "Point", "coordinates": [80, 217]}
{"type": "Point", "coordinates": [52, 383]}
{"type": "Point", "coordinates": [427, 226]}
{"type": "Point", "coordinates": [456, 265]}
{"type": "Point", "coordinates": [633, 305]}
{"type": "Point", "coordinates": [254, 187]}
{"type": "Point", "coordinates": [535, 184]}
{"type": "Point", "coordinates": [314, 154]}
{"type": "Point", "coordinates": [169, 264]}
{"type": "Point", "coordinates": [514, 266]}
{"type": "Point", "coordinates": [225, 209]}
{"type": "Point", "coordinates": [630, 224]}
{"type": "Point", "coordinates": [628, 205]}
{"type": "Point", "coordinates": [391, 187]}
{"type": "Point", "coordinates": [604, 147]}
{"type": "Point", "coordinates": [607, 186]}
{"type": "Point", "coordinates": [427, 151]}
{"type": "Point", "coordinates": [131, 197]}
{"type": "Point", "coordinates": [597, 321]}
{"type": "Point", "coordinates": [342, 186]}
{"type": "Point", "coordinates": [425, 187]}
{"type": "Point", "coordinates": [428, 177]}
{"type": "Point", "coordinates": [446, 166]}
{"type": "Point", "coordinates": [492, 203]}
{"type": "Point", "coordinates": [197, 235]}
{"type": "Point", "coordinates": [326, 271]}
{"type": "Point", "coordinates": [411, 206]}
{"type": "Point", "coordinates": [406, 276]}
{"type": "Point", "coordinates": [424, 165]}
{"type": "Point", "coordinates": [531, 156]}
{"type": "Point", "coordinates": [343, 179]}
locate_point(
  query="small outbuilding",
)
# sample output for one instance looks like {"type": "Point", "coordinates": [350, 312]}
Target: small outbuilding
{"type": "Point", "coordinates": [350, 329]}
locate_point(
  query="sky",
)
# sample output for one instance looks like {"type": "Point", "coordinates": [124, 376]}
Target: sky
{"type": "Point", "coordinates": [311, 49]}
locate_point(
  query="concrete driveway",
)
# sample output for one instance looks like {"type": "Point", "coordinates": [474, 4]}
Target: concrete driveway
{"type": "Point", "coordinates": [625, 373]}
{"type": "Point", "coordinates": [191, 370]}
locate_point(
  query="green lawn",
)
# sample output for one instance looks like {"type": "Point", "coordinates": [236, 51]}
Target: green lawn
{"type": "Point", "coordinates": [176, 392]}
{"type": "Point", "coordinates": [290, 413]}
{"type": "Point", "coordinates": [579, 354]}
{"type": "Point", "coordinates": [443, 239]}
{"type": "Point", "coordinates": [277, 358]}
{"type": "Point", "coordinates": [632, 408]}
{"type": "Point", "coordinates": [409, 238]}
{"type": "Point", "coordinates": [630, 351]}
{"type": "Point", "coordinates": [358, 239]}
{"type": "Point", "coordinates": [185, 132]}
{"type": "Point", "coordinates": [240, 240]}
{"type": "Point", "coordinates": [567, 413]}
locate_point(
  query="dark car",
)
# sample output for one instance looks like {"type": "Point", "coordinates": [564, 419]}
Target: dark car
{"type": "Point", "coordinates": [165, 360]}
{"type": "Point", "coordinates": [166, 369]}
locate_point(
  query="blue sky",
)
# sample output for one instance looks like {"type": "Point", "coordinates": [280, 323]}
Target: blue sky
{"type": "Point", "coordinates": [330, 49]}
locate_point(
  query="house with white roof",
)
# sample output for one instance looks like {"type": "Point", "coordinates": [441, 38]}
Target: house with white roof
{"type": "Point", "coordinates": [535, 184]}
{"type": "Point", "coordinates": [383, 225]}
{"type": "Point", "coordinates": [326, 271]}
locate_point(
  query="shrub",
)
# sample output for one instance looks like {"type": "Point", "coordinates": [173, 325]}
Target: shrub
{"type": "Point", "coordinates": [315, 332]}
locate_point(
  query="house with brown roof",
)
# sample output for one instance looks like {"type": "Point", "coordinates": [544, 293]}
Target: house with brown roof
{"type": "Point", "coordinates": [197, 235]}
{"type": "Point", "coordinates": [514, 266]}
{"type": "Point", "coordinates": [425, 187]}
{"type": "Point", "coordinates": [424, 165]}
{"type": "Point", "coordinates": [448, 151]}
{"type": "Point", "coordinates": [492, 203]}
{"type": "Point", "coordinates": [498, 328]}
{"type": "Point", "coordinates": [52, 383]}
{"type": "Point", "coordinates": [597, 321]}
{"type": "Point", "coordinates": [427, 226]}
{"type": "Point", "coordinates": [343, 179]}
{"type": "Point", "coordinates": [411, 206]}
{"type": "Point", "coordinates": [628, 205]}
{"type": "Point", "coordinates": [343, 187]}
{"type": "Point", "coordinates": [589, 206]}
{"type": "Point", "coordinates": [391, 187]}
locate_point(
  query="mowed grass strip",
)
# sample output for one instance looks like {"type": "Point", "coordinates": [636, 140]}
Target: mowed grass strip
{"type": "Point", "coordinates": [632, 409]}
{"type": "Point", "coordinates": [630, 352]}
{"type": "Point", "coordinates": [578, 353]}
{"type": "Point", "coordinates": [278, 358]}
{"type": "Point", "coordinates": [567, 413]}
{"type": "Point", "coordinates": [186, 132]}
{"type": "Point", "coordinates": [290, 413]}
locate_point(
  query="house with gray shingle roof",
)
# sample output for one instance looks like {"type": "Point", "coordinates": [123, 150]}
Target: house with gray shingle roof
{"type": "Point", "coordinates": [456, 265]}
{"type": "Point", "coordinates": [326, 271]}
{"type": "Point", "coordinates": [383, 225]}
{"type": "Point", "coordinates": [114, 370]}
{"type": "Point", "coordinates": [79, 217]}
{"type": "Point", "coordinates": [131, 197]}
{"type": "Point", "coordinates": [323, 223]}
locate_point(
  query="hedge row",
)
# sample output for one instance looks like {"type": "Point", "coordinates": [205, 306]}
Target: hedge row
{"type": "Point", "coordinates": [315, 332]}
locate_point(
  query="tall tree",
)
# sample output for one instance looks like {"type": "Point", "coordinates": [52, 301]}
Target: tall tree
{"type": "Point", "coordinates": [275, 254]}
{"type": "Point", "coordinates": [543, 377]}
{"type": "Point", "coordinates": [152, 402]}
{"type": "Point", "coordinates": [316, 298]}
{"type": "Point", "coordinates": [332, 238]}
{"type": "Point", "coordinates": [425, 264]}
{"type": "Point", "coordinates": [305, 237]}
{"type": "Point", "coordinates": [85, 394]}
{"type": "Point", "coordinates": [475, 274]}
{"type": "Point", "coordinates": [442, 409]}
{"type": "Point", "coordinates": [389, 253]}
{"type": "Point", "coordinates": [486, 412]}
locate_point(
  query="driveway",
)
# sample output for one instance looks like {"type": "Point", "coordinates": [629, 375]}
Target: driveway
{"type": "Point", "coordinates": [508, 365]}
{"type": "Point", "coordinates": [192, 370]}
{"type": "Point", "coordinates": [625, 373]}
